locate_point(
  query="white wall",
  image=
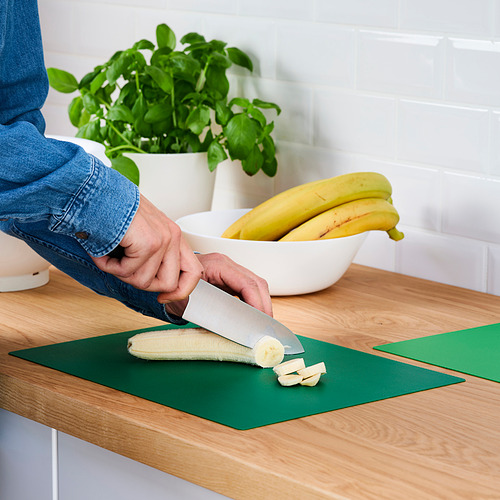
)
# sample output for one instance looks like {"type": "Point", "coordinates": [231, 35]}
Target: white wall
{"type": "Point", "coordinates": [409, 88]}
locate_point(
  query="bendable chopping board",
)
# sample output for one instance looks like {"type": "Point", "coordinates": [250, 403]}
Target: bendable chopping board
{"type": "Point", "coordinates": [237, 395]}
{"type": "Point", "coordinates": [474, 351]}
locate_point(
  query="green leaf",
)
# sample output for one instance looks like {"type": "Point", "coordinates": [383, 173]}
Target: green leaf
{"type": "Point", "coordinates": [266, 105]}
{"type": "Point", "coordinates": [107, 91]}
{"type": "Point", "coordinates": [160, 56]}
{"type": "Point", "coordinates": [269, 149]}
{"type": "Point", "coordinates": [75, 109]}
{"type": "Point", "coordinates": [217, 81]}
{"type": "Point", "coordinates": [241, 133]}
{"type": "Point", "coordinates": [258, 115]}
{"type": "Point", "coordinates": [239, 101]}
{"type": "Point", "coordinates": [161, 78]}
{"type": "Point", "coordinates": [185, 67]}
{"type": "Point", "coordinates": [215, 155]}
{"type": "Point", "coordinates": [193, 141]}
{"type": "Point", "coordinates": [194, 98]}
{"type": "Point", "coordinates": [114, 57]}
{"type": "Point", "coordinates": [127, 94]}
{"type": "Point", "coordinates": [91, 131]}
{"type": "Point", "coordinates": [198, 119]}
{"type": "Point", "coordinates": [217, 45]}
{"type": "Point", "coordinates": [222, 113]}
{"type": "Point", "coordinates": [268, 128]}
{"type": "Point", "coordinates": [165, 37]}
{"type": "Point", "coordinates": [239, 57]}
{"type": "Point", "coordinates": [120, 113]}
{"type": "Point", "coordinates": [140, 61]}
{"type": "Point", "coordinates": [126, 167]}
{"type": "Point", "coordinates": [252, 164]}
{"type": "Point", "coordinates": [87, 79]}
{"type": "Point", "coordinates": [118, 67]}
{"type": "Point", "coordinates": [162, 127]}
{"type": "Point", "coordinates": [158, 113]}
{"type": "Point", "coordinates": [90, 103]}
{"type": "Point", "coordinates": [143, 45]}
{"type": "Point", "coordinates": [84, 118]}
{"type": "Point", "coordinates": [139, 109]}
{"type": "Point", "coordinates": [207, 141]}
{"type": "Point", "coordinates": [97, 82]}
{"type": "Point", "coordinates": [270, 167]}
{"type": "Point", "coordinates": [191, 38]}
{"type": "Point", "coordinates": [199, 45]}
{"type": "Point", "coordinates": [62, 81]}
{"type": "Point", "coordinates": [220, 60]}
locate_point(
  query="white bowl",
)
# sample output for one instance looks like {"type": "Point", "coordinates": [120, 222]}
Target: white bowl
{"type": "Point", "coordinates": [21, 268]}
{"type": "Point", "coordinates": [289, 267]}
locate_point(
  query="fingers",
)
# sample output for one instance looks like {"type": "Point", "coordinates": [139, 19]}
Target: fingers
{"type": "Point", "coordinates": [221, 271]}
{"type": "Point", "coordinates": [191, 273]}
{"type": "Point", "coordinates": [154, 256]}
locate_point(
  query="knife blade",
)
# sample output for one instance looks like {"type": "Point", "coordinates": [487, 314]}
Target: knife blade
{"type": "Point", "coordinates": [221, 313]}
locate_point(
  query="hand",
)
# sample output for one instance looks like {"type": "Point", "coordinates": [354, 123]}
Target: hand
{"type": "Point", "coordinates": [221, 271]}
{"type": "Point", "coordinates": [155, 256]}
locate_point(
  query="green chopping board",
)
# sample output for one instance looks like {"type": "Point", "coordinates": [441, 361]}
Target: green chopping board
{"type": "Point", "coordinates": [237, 395]}
{"type": "Point", "coordinates": [474, 351]}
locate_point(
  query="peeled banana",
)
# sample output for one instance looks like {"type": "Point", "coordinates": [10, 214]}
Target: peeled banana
{"type": "Point", "coordinates": [280, 214]}
{"type": "Point", "coordinates": [348, 219]}
{"type": "Point", "coordinates": [201, 344]}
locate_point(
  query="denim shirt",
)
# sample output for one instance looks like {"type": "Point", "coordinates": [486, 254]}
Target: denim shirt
{"type": "Point", "coordinates": [45, 179]}
{"type": "Point", "coordinates": [65, 203]}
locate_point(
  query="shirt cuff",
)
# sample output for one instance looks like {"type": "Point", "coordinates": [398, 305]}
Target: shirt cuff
{"type": "Point", "coordinates": [100, 213]}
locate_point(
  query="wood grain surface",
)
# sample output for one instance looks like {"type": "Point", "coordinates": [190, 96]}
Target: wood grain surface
{"type": "Point", "coordinates": [442, 443]}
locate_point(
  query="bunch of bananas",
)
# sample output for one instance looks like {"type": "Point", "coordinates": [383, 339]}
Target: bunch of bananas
{"type": "Point", "coordinates": [343, 205]}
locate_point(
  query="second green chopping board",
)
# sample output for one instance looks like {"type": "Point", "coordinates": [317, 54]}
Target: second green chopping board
{"type": "Point", "coordinates": [237, 395]}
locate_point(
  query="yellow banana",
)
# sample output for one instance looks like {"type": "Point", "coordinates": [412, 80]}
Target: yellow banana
{"type": "Point", "coordinates": [233, 231]}
{"type": "Point", "coordinates": [348, 219]}
{"type": "Point", "coordinates": [280, 214]}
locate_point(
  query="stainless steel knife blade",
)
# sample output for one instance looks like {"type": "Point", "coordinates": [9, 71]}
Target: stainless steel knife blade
{"type": "Point", "coordinates": [217, 311]}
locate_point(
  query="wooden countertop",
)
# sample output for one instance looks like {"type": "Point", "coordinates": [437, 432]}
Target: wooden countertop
{"type": "Point", "coordinates": [441, 443]}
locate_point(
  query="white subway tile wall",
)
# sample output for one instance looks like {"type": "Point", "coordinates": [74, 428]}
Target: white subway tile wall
{"type": "Point", "coordinates": [408, 88]}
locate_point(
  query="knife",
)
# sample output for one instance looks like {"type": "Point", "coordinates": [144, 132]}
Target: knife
{"type": "Point", "coordinates": [221, 313]}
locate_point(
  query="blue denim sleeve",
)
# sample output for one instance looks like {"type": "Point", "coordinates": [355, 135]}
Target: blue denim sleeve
{"type": "Point", "coordinates": [79, 196]}
{"type": "Point", "coordinates": [64, 203]}
{"type": "Point", "coordinates": [45, 179]}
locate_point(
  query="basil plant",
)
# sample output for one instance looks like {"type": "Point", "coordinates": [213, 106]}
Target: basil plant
{"type": "Point", "coordinates": [156, 99]}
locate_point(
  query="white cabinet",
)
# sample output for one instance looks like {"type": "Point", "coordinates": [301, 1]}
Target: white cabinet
{"type": "Point", "coordinates": [83, 471]}
{"type": "Point", "coordinates": [88, 472]}
{"type": "Point", "coordinates": [25, 458]}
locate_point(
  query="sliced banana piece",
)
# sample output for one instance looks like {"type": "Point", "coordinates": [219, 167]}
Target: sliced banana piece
{"type": "Point", "coordinates": [311, 381]}
{"type": "Point", "coordinates": [290, 379]}
{"type": "Point", "coordinates": [309, 371]}
{"type": "Point", "coordinates": [289, 366]}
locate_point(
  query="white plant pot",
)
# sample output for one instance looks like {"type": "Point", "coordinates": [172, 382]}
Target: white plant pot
{"type": "Point", "coordinates": [178, 184]}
